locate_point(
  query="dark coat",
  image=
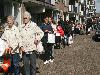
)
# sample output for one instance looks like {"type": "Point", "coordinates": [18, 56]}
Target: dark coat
{"type": "Point", "coordinates": [44, 27]}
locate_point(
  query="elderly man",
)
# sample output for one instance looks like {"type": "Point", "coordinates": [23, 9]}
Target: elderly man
{"type": "Point", "coordinates": [29, 41]}
{"type": "Point", "coordinates": [11, 36]}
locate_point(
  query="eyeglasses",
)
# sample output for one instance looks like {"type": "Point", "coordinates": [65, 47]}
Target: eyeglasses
{"type": "Point", "coordinates": [25, 18]}
{"type": "Point", "coordinates": [46, 19]}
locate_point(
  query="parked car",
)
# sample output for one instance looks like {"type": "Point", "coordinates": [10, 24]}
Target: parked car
{"type": "Point", "coordinates": [97, 32]}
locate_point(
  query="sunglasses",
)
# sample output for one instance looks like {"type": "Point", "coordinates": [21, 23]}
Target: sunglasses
{"type": "Point", "coordinates": [25, 18]}
{"type": "Point", "coordinates": [46, 19]}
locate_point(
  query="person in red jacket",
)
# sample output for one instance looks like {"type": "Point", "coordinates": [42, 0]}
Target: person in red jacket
{"type": "Point", "coordinates": [60, 30]}
{"type": "Point", "coordinates": [59, 35]}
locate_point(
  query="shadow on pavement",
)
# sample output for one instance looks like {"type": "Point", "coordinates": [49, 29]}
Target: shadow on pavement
{"type": "Point", "coordinates": [95, 39]}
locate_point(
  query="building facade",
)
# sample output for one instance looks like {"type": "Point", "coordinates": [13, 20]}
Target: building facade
{"type": "Point", "coordinates": [76, 10]}
{"type": "Point", "coordinates": [9, 7]}
{"type": "Point", "coordinates": [80, 10]}
{"type": "Point", "coordinates": [54, 8]}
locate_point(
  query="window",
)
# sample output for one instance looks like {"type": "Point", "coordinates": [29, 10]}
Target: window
{"type": "Point", "coordinates": [41, 0]}
{"type": "Point", "coordinates": [82, 7]}
{"type": "Point", "coordinates": [71, 2]}
{"type": "Point", "coordinates": [63, 1]}
{"type": "Point", "coordinates": [56, 0]}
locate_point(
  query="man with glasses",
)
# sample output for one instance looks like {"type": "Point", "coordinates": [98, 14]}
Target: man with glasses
{"type": "Point", "coordinates": [28, 32]}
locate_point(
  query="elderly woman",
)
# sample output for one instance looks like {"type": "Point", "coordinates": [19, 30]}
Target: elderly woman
{"type": "Point", "coordinates": [28, 32]}
{"type": "Point", "coordinates": [11, 36]}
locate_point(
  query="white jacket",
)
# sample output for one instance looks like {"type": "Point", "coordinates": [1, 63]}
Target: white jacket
{"type": "Point", "coordinates": [28, 33]}
{"type": "Point", "coordinates": [12, 38]}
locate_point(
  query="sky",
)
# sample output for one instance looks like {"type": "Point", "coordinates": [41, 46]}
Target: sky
{"type": "Point", "coordinates": [97, 6]}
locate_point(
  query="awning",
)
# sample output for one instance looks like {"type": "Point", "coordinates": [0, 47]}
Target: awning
{"type": "Point", "coordinates": [33, 1]}
{"type": "Point", "coordinates": [39, 3]}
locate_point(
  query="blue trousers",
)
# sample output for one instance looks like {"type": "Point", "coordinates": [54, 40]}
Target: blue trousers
{"type": "Point", "coordinates": [29, 61]}
{"type": "Point", "coordinates": [15, 58]}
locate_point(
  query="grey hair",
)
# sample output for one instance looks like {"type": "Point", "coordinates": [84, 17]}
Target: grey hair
{"type": "Point", "coordinates": [28, 14]}
{"type": "Point", "coordinates": [11, 17]}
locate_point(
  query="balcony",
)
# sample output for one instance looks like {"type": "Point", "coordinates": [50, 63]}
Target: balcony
{"type": "Point", "coordinates": [91, 11]}
{"type": "Point", "coordinates": [41, 0]}
{"type": "Point", "coordinates": [72, 8]}
{"type": "Point", "coordinates": [39, 3]}
{"type": "Point", "coordinates": [92, 5]}
{"type": "Point", "coordinates": [50, 2]}
{"type": "Point", "coordinates": [81, 13]}
{"type": "Point", "coordinates": [81, 1]}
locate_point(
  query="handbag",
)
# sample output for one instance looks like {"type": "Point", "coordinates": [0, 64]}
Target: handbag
{"type": "Point", "coordinates": [2, 47]}
{"type": "Point", "coordinates": [57, 34]}
{"type": "Point", "coordinates": [39, 47]}
{"type": "Point", "coordinates": [51, 38]}
{"type": "Point", "coordinates": [70, 40]}
{"type": "Point", "coordinates": [6, 63]}
{"type": "Point", "coordinates": [89, 29]}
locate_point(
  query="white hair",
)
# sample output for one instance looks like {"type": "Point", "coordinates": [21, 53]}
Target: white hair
{"type": "Point", "coordinates": [26, 13]}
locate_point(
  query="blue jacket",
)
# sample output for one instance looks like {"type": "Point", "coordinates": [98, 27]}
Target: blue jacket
{"type": "Point", "coordinates": [44, 27]}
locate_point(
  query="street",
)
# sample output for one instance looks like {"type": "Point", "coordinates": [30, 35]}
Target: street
{"type": "Point", "coordinates": [27, 24]}
{"type": "Point", "coordinates": [82, 58]}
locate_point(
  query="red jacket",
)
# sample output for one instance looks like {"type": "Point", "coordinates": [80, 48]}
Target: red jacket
{"type": "Point", "coordinates": [60, 30]}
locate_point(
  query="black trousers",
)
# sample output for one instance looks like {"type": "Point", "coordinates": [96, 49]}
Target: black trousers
{"type": "Point", "coordinates": [29, 61]}
{"type": "Point", "coordinates": [48, 51]}
{"type": "Point", "coordinates": [87, 32]}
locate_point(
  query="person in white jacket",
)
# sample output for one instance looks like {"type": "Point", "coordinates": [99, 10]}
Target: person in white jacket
{"type": "Point", "coordinates": [11, 36]}
{"type": "Point", "coordinates": [29, 32]}
{"type": "Point", "coordinates": [3, 47]}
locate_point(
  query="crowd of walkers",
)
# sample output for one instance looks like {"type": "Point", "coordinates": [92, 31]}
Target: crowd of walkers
{"type": "Point", "coordinates": [34, 39]}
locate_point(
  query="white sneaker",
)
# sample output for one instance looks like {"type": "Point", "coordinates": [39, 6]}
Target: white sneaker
{"type": "Point", "coordinates": [51, 60]}
{"type": "Point", "coordinates": [46, 62]}
{"type": "Point", "coordinates": [69, 45]}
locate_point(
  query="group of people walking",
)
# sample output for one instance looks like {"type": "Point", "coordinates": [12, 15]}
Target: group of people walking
{"type": "Point", "coordinates": [23, 43]}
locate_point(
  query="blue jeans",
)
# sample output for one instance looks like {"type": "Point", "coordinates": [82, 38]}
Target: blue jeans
{"type": "Point", "coordinates": [29, 61]}
{"type": "Point", "coordinates": [15, 58]}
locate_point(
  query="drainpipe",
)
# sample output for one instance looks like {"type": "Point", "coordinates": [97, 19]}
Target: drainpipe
{"type": "Point", "coordinates": [80, 14]}
{"type": "Point", "coordinates": [67, 17]}
{"type": "Point", "coordinates": [20, 15]}
{"type": "Point", "coordinates": [20, 20]}
{"type": "Point", "coordinates": [12, 9]}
